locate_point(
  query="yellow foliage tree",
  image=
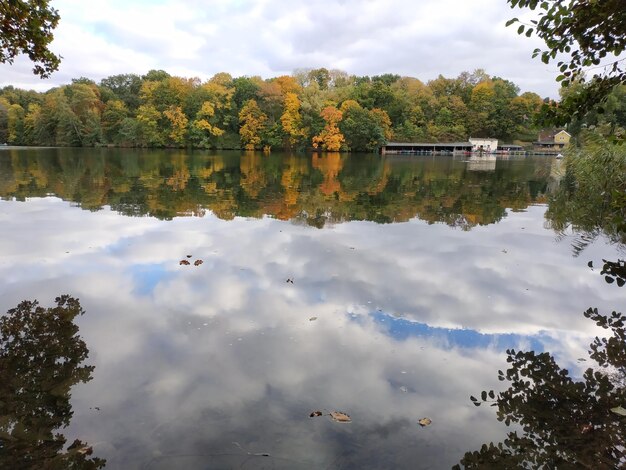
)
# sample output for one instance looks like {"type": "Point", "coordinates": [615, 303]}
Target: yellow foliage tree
{"type": "Point", "coordinates": [252, 121]}
{"type": "Point", "coordinates": [178, 121]}
{"type": "Point", "coordinates": [207, 111]}
{"type": "Point", "coordinates": [288, 84]}
{"type": "Point", "coordinates": [330, 138]}
{"type": "Point", "coordinates": [347, 104]}
{"type": "Point", "coordinates": [292, 120]}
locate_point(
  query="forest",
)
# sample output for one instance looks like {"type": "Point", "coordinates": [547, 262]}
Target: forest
{"type": "Point", "coordinates": [312, 108]}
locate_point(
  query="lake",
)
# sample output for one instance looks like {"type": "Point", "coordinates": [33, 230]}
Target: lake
{"type": "Point", "coordinates": [228, 296]}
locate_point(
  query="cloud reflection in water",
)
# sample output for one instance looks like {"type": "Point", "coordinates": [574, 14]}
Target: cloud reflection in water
{"type": "Point", "coordinates": [191, 360]}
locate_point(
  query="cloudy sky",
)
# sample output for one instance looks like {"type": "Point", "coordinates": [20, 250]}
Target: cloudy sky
{"type": "Point", "coordinates": [422, 39]}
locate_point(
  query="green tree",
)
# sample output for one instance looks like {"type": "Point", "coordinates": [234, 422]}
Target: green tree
{"type": "Point", "coordinates": [147, 130]}
{"type": "Point", "coordinates": [364, 130]}
{"type": "Point", "coordinates": [16, 125]}
{"type": "Point", "coordinates": [587, 33]}
{"type": "Point", "coordinates": [84, 101]}
{"type": "Point", "coordinates": [126, 88]}
{"type": "Point", "coordinates": [26, 28]}
{"type": "Point", "coordinates": [4, 119]}
{"type": "Point", "coordinates": [115, 111]}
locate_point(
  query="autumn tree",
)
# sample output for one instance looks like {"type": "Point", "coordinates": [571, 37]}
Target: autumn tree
{"type": "Point", "coordinates": [253, 122]}
{"type": "Point", "coordinates": [291, 120]}
{"type": "Point", "coordinates": [178, 124]}
{"type": "Point", "coordinates": [330, 138]}
{"type": "Point", "coordinates": [203, 129]}
{"type": "Point", "coordinates": [86, 106]}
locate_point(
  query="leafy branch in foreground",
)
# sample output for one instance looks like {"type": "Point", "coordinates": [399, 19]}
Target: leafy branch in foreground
{"type": "Point", "coordinates": [26, 28]}
{"type": "Point", "coordinates": [590, 35]}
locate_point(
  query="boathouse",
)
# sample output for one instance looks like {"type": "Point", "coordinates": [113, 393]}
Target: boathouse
{"type": "Point", "coordinates": [483, 145]}
{"type": "Point", "coordinates": [413, 148]}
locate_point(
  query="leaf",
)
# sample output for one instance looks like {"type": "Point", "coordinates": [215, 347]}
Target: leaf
{"type": "Point", "coordinates": [520, 30]}
{"type": "Point", "coordinates": [618, 410]}
{"type": "Point", "coordinates": [184, 262]}
{"type": "Point", "coordinates": [198, 262]}
{"type": "Point", "coordinates": [590, 264]}
{"type": "Point", "coordinates": [511, 21]}
{"type": "Point", "coordinates": [340, 417]}
{"type": "Point", "coordinates": [425, 422]}
{"type": "Point", "coordinates": [483, 395]}
{"type": "Point", "coordinates": [312, 318]}
{"type": "Point", "coordinates": [315, 413]}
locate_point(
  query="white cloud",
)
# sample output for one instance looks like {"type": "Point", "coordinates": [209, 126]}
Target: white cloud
{"type": "Point", "coordinates": [272, 37]}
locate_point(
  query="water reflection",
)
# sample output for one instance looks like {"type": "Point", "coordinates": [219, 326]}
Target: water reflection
{"type": "Point", "coordinates": [322, 189]}
{"type": "Point", "coordinates": [594, 206]}
{"type": "Point", "coordinates": [41, 357]}
{"type": "Point", "coordinates": [220, 365]}
{"type": "Point", "coordinates": [565, 421]}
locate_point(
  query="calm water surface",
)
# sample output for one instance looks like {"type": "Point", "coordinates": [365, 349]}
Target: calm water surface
{"type": "Point", "coordinates": [387, 289]}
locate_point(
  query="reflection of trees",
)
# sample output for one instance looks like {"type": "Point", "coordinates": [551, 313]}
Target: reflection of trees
{"type": "Point", "coordinates": [320, 189]}
{"type": "Point", "coordinates": [591, 196]}
{"type": "Point", "coordinates": [565, 423]}
{"type": "Point", "coordinates": [40, 360]}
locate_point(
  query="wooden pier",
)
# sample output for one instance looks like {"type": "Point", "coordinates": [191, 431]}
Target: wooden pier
{"type": "Point", "coordinates": [413, 148]}
{"type": "Point", "coordinates": [445, 148]}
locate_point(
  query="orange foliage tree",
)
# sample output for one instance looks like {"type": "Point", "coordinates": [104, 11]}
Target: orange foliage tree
{"type": "Point", "coordinates": [330, 138]}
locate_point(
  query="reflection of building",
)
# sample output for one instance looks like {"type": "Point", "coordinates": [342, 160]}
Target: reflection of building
{"type": "Point", "coordinates": [476, 163]}
{"type": "Point", "coordinates": [551, 141]}
{"type": "Point", "coordinates": [483, 145]}
{"type": "Point", "coordinates": [557, 172]}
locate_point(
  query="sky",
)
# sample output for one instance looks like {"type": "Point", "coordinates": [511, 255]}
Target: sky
{"type": "Point", "coordinates": [194, 38]}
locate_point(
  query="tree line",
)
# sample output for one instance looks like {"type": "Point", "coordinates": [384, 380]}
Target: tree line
{"type": "Point", "coordinates": [319, 108]}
